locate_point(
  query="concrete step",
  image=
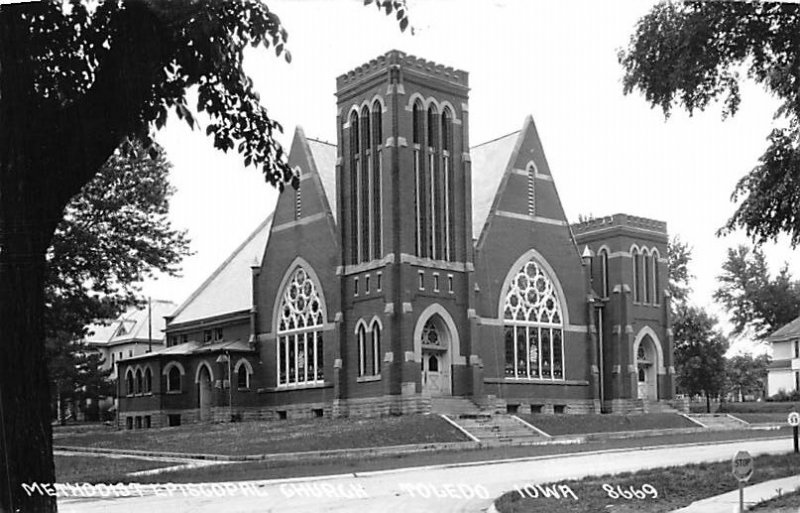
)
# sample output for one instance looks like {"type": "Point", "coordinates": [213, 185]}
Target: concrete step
{"type": "Point", "coordinates": [718, 421]}
{"type": "Point", "coordinates": [454, 406]}
{"type": "Point", "coordinates": [658, 407]}
{"type": "Point", "coordinates": [498, 429]}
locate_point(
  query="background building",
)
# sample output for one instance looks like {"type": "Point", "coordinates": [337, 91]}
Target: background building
{"type": "Point", "coordinates": [784, 369]}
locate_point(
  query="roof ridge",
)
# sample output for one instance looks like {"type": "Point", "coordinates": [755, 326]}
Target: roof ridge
{"type": "Point", "coordinates": [222, 266]}
{"type": "Point", "coordinates": [497, 138]}
{"type": "Point", "coordinates": [320, 141]}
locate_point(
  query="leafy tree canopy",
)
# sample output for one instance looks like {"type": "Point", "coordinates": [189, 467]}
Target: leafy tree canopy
{"type": "Point", "coordinates": [746, 374]}
{"type": "Point", "coordinates": [679, 256]}
{"type": "Point", "coordinates": [76, 80]}
{"type": "Point", "coordinates": [699, 351]}
{"type": "Point", "coordinates": [114, 234]}
{"type": "Point", "coordinates": [690, 54]}
{"type": "Point", "coordinates": [752, 297]}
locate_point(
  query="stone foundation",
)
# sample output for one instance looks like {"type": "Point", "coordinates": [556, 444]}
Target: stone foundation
{"type": "Point", "coordinates": [367, 407]}
{"type": "Point", "coordinates": [624, 406]}
{"type": "Point", "coordinates": [382, 406]}
{"type": "Point", "coordinates": [542, 405]}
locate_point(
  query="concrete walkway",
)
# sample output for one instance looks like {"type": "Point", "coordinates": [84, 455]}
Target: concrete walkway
{"type": "Point", "coordinates": [181, 463]}
{"type": "Point", "coordinates": [754, 494]}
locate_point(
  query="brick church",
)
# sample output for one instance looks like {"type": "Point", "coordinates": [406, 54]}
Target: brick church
{"type": "Point", "coordinates": [410, 266]}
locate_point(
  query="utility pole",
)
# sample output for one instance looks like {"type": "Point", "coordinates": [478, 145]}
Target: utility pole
{"type": "Point", "coordinates": [149, 324]}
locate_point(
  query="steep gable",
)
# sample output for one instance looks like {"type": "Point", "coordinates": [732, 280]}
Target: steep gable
{"type": "Point", "coordinates": [489, 165]}
{"type": "Point", "coordinates": [324, 160]}
{"type": "Point", "coordinates": [501, 181]}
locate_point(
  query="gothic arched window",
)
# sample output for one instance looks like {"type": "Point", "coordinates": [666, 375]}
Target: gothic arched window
{"type": "Point", "coordinates": [148, 381]}
{"type": "Point", "coordinates": [646, 275]}
{"type": "Point", "coordinates": [174, 379]}
{"type": "Point", "coordinates": [533, 324]}
{"type": "Point", "coordinates": [447, 174]}
{"type": "Point", "coordinates": [604, 272]}
{"type": "Point", "coordinates": [376, 348]}
{"type": "Point", "coordinates": [355, 177]}
{"type": "Point", "coordinates": [300, 321]}
{"type": "Point", "coordinates": [138, 382]}
{"type": "Point", "coordinates": [242, 378]}
{"type": "Point", "coordinates": [637, 275]}
{"type": "Point", "coordinates": [129, 382]}
{"type": "Point", "coordinates": [377, 175]}
{"type": "Point", "coordinates": [654, 255]}
{"type": "Point", "coordinates": [361, 336]}
{"type": "Point", "coordinates": [364, 197]}
{"type": "Point", "coordinates": [420, 198]}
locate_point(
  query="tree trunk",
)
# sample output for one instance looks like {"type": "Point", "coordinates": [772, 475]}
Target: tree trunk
{"type": "Point", "coordinates": [708, 403]}
{"type": "Point", "coordinates": [25, 430]}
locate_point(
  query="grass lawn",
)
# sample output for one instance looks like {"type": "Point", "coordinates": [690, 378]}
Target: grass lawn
{"type": "Point", "coordinates": [100, 469]}
{"type": "Point", "coordinates": [267, 470]}
{"type": "Point", "coordinates": [659, 490]}
{"type": "Point", "coordinates": [762, 418]}
{"type": "Point", "coordinates": [273, 437]}
{"type": "Point", "coordinates": [760, 407]}
{"type": "Point", "coordinates": [788, 502]}
{"type": "Point", "coordinates": [583, 424]}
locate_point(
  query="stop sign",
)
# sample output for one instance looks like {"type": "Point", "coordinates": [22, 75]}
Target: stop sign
{"type": "Point", "coordinates": [742, 466]}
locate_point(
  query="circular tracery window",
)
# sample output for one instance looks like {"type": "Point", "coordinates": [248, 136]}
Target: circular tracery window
{"type": "Point", "coordinates": [430, 335]}
{"type": "Point", "coordinates": [531, 297]}
{"type": "Point", "coordinates": [300, 304]}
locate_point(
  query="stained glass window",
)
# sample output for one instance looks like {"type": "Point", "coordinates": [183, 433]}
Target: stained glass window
{"type": "Point", "coordinates": [532, 315]}
{"type": "Point", "coordinates": [300, 352]}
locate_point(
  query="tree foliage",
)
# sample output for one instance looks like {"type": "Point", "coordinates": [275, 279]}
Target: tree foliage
{"type": "Point", "coordinates": [114, 235]}
{"type": "Point", "coordinates": [699, 352]}
{"type": "Point", "coordinates": [753, 298]}
{"type": "Point", "coordinates": [746, 374]}
{"type": "Point", "coordinates": [77, 79]}
{"type": "Point", "coordinates": [690, 54]}
{"type": "Point", "coordinates": [679, 256]}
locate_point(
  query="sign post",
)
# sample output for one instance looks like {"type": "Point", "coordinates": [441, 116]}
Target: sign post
{"type": "Point", "coordinates": [742, 468]}
{"type": "Point", "coordinates": [794, 421]}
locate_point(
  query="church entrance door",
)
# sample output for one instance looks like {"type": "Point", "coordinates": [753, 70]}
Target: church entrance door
{"type": "Point", "coordinates": [436, 364]}
{"type": "Point", "coordinates": [646, 360]}
{"type": "Point", "coordinates": [435, 378]}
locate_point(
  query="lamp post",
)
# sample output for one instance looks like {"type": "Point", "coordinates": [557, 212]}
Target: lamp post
{"type": "Point", "coordinates": [226, 357]}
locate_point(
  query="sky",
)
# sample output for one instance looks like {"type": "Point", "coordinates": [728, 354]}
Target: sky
{"type": "Point", "coordinates": [556, 61]}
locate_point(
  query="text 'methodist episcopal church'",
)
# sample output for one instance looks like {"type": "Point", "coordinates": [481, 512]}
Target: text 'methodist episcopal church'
{"type": "Point", "coordinates": [410, 266]}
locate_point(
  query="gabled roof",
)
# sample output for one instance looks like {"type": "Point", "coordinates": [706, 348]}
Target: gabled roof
{"type": "Point", "coordinates": [324, 155]}
{"type": "Point", "coordinates": [788, 332]}
{"type": "Point", "coordinates": [133, 325]}
{"type": "Point", "coordinates": [229, 288]}
{"type": "Point", "coordinates": [490, 161]}
{"type": "Point", "coordinates": [193, 348]}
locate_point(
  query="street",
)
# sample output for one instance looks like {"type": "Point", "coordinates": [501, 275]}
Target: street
{"type": "Point", "coordinates": [465, 488]}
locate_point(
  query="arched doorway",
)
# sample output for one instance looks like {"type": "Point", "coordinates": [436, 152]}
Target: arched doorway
{"type": "Point", "coordinates": [205, 392]}
{"type": "Point", "coordinates": [436, 357]}
{"type": "Point", "coordinates": [647, 363]}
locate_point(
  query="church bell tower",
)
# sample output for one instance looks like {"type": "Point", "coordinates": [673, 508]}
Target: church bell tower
{"type": "Point", "coordinates": [403, 185]}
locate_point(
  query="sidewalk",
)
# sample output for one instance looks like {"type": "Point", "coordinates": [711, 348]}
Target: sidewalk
{"type": "Point", "coordinates": [729, 502]}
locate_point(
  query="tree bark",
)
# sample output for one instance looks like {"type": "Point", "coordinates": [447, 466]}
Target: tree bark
{"type": "Point", "coordinates": [46, 156]}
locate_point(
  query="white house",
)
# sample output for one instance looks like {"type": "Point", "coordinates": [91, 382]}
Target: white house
{"type": "Point", "coordinates": [784, 371]}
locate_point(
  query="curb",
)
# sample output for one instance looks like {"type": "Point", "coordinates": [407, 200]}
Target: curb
{"type": "Point", "coordinates": [395, 450]}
